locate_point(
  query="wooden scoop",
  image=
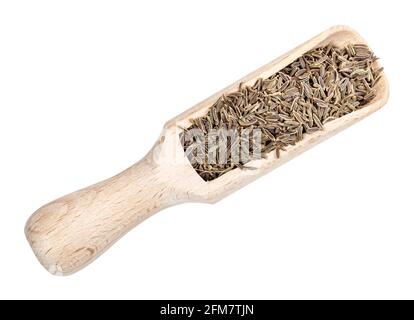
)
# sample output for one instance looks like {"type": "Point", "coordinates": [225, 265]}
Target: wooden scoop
{"type": "Point", "coordinates": [70, 232]}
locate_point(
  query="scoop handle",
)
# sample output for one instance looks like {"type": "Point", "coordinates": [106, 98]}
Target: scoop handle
{"type": "Point", "coordinates": [70, 232]}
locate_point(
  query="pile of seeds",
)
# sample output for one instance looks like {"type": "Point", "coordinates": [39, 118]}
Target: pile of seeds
{"type": "Point", "coordinates": [324, 84]}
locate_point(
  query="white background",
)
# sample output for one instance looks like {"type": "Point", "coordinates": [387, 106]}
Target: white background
{"type": "Point", "coordinates": [85, 87]}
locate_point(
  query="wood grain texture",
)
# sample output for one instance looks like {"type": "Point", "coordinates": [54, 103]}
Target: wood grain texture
{"type": "Point", "coordinates": [70, 232]}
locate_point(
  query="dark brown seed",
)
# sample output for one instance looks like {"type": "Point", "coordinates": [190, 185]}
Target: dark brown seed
{"type": "Point", "coordinates": [322, 85]}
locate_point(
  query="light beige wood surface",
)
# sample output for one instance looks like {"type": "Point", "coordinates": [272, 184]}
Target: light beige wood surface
{"type": "Point", "coordinates": [70, 232]}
